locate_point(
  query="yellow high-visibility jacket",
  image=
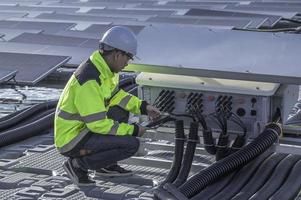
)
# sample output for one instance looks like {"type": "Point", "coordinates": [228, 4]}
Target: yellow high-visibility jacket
{"type": "Point", "coordinates": [85, 100]}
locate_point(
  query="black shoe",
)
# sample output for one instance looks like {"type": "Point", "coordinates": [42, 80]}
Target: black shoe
{"type": "Point", "coordinates": [113, 170]}
{"type": "Point", "coordinates": [77, 175]}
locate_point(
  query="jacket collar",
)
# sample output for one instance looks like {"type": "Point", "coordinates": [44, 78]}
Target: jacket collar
{"type": "Point", "coordinates": [97, 59]}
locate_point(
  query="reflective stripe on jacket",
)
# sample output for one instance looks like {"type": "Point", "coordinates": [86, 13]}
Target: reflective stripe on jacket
{"type": "Point", "coordinates": [85, 100]}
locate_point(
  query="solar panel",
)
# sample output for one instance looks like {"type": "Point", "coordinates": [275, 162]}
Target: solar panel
{"type": "Point", "coordinates": [284, 12]}
{"type": "Point", "coordinates": [100, 29]}
{"type": "Point", "coordinates": [140, 17]}
{"type": "Point", "coordinates": [80, 17]}
{"type": "Point", "coordinates": [285, 4]}
{"type": "Point", "coordinates": [217, 6]}
{"type": "Point", "coordinates": [214, 21]}
{"type": "Point", "coordinates": [218, 53]}
{"type": "Point", "coordinates": [31, 67]}
{"type": "Point", "coordinates": [98, 4]}
{"type": "Point", "coordinates": [21, 2]}
{"type": "Point", "coordinates": [271, 19]}
{"type": "Point", "coordinates": [273, 8]}
{"type": "Point", "coordinates": [48, 39]}
{"type": "Point", "coordinates": [77, 54]}
{"type": "Point", "coordinates": [133, 11]}
{"type": "Point", "coordinates": [55, 40]}
{"type": "Point", "coordinates": [11, 33]}
{"type": "Point", "coordinates": [7, 15]}
{"type": "Point", "coordinates": [37, 8]}
{"type": "Point", "coordinates": [48, 27]}
{"type": "Point", "coordinates": [5, 75]}
{"type": "Point", "coordinates": [82, 34]}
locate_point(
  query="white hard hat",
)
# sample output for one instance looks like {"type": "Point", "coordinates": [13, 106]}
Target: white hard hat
{"type": "Point", "coordinates": [121, 38]}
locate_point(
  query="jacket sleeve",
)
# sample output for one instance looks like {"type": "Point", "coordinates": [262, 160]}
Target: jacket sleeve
{"type": "Point", "coordinates": [89, 101]}
{"type": "Point", "coordinates": [129, 102]}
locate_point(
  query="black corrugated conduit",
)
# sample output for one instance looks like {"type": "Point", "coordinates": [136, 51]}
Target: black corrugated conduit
{"type": "Point", "coordinates": [214, 188]}
{"type": "Point", "coordinates": [225, 166]}
{"type": "Point", "coordinates": [241, 178]}
{"type": "Point", "coordinates": [232, 162]}
{"type": "Point", "coordinates": [178, 155]}
{"type": "Point", "coordinates": [26, 131]}
{"type": "Point", "coordinates": [27, 113]}
{"type": "Point", "coordinates": [262, 174]}
{"type": "Point", "coordinates": [189, 154]}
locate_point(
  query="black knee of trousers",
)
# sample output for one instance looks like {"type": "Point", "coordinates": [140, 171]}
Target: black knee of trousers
{"type": "Point", "coordinates": [118, 114]}
{"type": "Point", "coordinates": [135, 143]}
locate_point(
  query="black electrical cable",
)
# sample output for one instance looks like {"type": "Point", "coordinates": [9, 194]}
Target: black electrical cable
{"type": "Point", "coordinates": [163, 98]}
{"type": "Point", "coordinates": [26, 131]}
{"type": "Point", "coordinates": [222, 147]}
{"type": "Point", "coordinates": [189, 154]}
{"type": "Point", "coordinates": [133, 91]}
{"type": "Point", "coordinates": [160, 96]}
{"type": "Point", "coordinates": [209, 142]}
{"type": "Point", "coordinates": [129, 87]}
{"type": "Point", "coordinates": [34, 118]}
{"type": "Point", "coordinates": [126, 81]}
{"type": "Point", "coordinates": [234, 161]}
{"type": "Point", "coordinates": [11, 115]}
{"type": "Point", "coordinates": [178, 155]}
{"type": "Point", "coordinates": [262, 174]}
{"type": "Point", "coordinates": [277, 178]}
{"type": "Point", "coordinates": [27, 113]}
{"type": "Point", "coordinates": [292, 185]}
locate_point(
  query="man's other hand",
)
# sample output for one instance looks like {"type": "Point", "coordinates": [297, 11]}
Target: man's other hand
{"type": "Point", "coordinates": [153, 112]}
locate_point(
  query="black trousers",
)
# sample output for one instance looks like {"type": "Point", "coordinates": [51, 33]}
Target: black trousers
{"type": "Point", "coordinates": [105, 150]}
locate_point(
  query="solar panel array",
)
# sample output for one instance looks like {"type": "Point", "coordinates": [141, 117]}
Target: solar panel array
{"type": "Point", "coordinates": [72, 28]}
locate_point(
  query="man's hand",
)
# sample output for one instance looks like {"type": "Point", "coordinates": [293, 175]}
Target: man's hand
{"type": "Point", "coordinates": [141, 131]}
{"type": "Point", "coordinates": [153, 112]}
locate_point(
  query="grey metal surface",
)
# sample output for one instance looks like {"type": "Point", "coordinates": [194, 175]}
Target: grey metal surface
{"type": "Point", "coordinates": [55, 40]}
{"type": "Point", "coordinates": [219, 53]}
{"type": "Point", "coordinates": [31, 67]}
